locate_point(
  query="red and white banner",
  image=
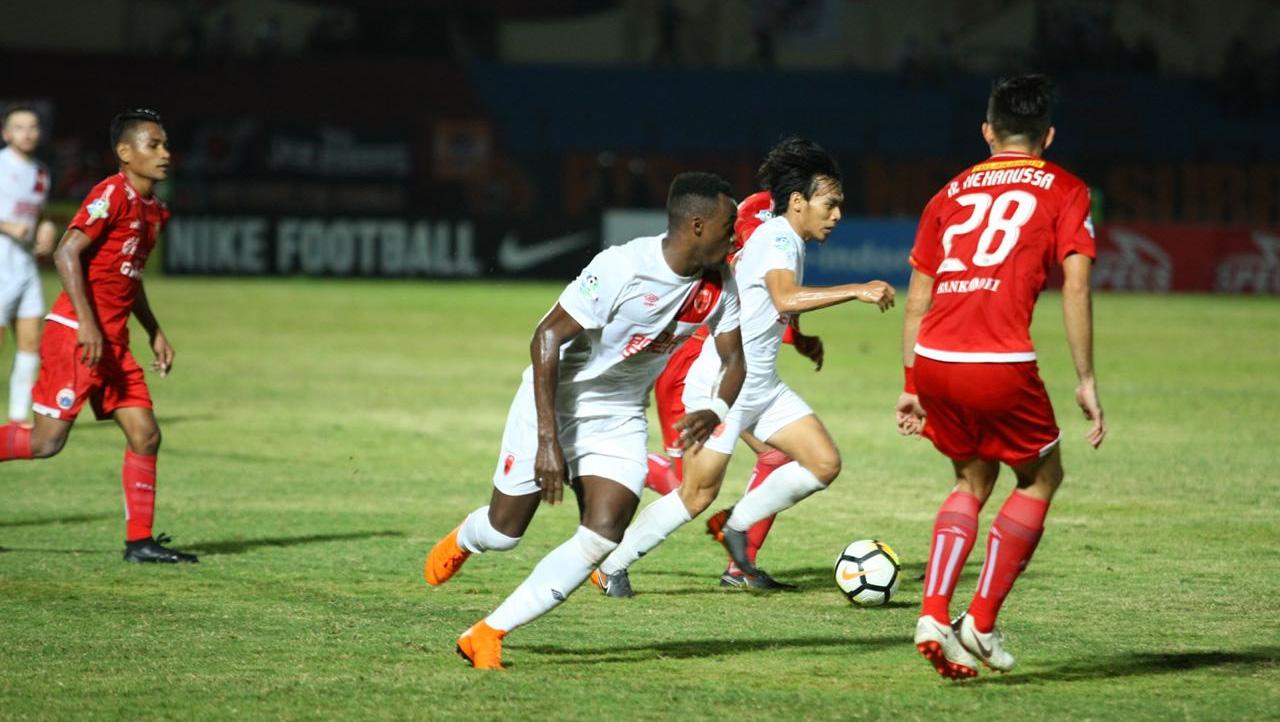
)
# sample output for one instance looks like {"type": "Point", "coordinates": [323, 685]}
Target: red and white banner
{"type": "Point", "coordinates": [1163, 258]}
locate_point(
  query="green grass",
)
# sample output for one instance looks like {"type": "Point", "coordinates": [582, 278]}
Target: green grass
{"type": "Point", "coordinates": [320, 436]}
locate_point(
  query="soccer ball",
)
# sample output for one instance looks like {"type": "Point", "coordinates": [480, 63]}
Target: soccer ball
{"type": "Point", "coordinates": [867, 572]}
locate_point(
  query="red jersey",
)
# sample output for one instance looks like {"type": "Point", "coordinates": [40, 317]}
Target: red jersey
{"type": "Point", "coordinates": [989, 239]}
{"type": "Point", "coordinates": [123, 226]}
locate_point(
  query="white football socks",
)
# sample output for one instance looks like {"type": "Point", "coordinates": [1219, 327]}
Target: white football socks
{"type": "Point", "coordinates": [20, 383]}
{"type": "Point", "coordinates": [478, 535]}
{"type": "Point", "coordinates": [650, 528]}
{"type": "Point", "coordinates": [782, 490]}
{"type": "Point", "coordinates": [553, 580]}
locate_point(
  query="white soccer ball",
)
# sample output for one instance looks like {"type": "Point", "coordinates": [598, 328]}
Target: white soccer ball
{"type": "Point", "coordinates": [867, 572]}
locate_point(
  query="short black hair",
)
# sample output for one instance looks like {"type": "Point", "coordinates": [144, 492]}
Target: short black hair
{"type": "Point", "coordinates": [128, 120]}
{"type": "Point", "coordinates": [796, 165]}
{"type": "Point", "coordinates": [1021, 107]}
{"type": "Point", "coordinates": [18, 108]}
{"type": "Point", "coordinates": [695, 193]}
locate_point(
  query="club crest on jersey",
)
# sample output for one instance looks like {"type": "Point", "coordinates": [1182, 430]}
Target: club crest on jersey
{"type": "Point", "coordinates": [65, 398]}
{"type": "Point", "coordinates": [589, 286]}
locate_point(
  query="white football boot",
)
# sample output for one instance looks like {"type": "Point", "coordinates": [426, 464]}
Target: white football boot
{"type": "Point", "coordinates": [938, 643]}
{"type": "Point", "coordinates": [989, 646]}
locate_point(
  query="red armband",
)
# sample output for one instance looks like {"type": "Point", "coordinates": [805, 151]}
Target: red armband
{"type": "Point", "coordinates": [789, 335]}
{"type": "Point", "coordinates": [908, 380]}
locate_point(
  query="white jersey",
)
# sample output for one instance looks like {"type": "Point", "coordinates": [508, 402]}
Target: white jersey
{"type": "Point", "coordinates": [772, 246]}
{"type": "Point", "coordinates": [634, 311]}
{"type": "Point", "coordinates": [24, 186]}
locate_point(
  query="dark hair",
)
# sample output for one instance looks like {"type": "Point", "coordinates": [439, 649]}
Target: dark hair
{"type": "Point", "coordinates": [695, 193]}
{"type": "Point", "coordinates": [1020, 107]}
{"type": "Point", "coordinates": [128, 120]}
{"type": "Point", "coordinates": [796, 165]}
{"type": "Point", "coordinates": [18, 108]}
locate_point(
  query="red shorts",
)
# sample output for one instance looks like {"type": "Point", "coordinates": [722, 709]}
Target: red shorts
{"type": "Point", "coordinates": [668, 390]}
{"type": "Point", "coordinates": [65, 382]}
{"type": "Point", "coordinates": [996, 411]}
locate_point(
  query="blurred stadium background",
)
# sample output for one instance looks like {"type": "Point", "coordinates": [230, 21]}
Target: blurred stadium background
{"type": "Point", "coordinates": [511, 139]}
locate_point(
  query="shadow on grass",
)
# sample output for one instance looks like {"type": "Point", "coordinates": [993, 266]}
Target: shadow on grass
{"type": "Point", "coordinates": [30, 550]}
{"type": "Point", "coordinates": [1139, 664]}
{"type": "Point", "coordinates": [69, 519]}
{"type": "Point", "coordinates": [240, 546]}
{"type": "Point", "coordinates": [697, 648]}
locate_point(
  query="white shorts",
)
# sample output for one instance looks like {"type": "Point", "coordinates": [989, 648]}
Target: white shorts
{"type": "Point", "coordinates": [20, 296]}
{"type": "Point", "coordinates": [763, 413]}
{"type": "Point", "coordinates": [614, 447]}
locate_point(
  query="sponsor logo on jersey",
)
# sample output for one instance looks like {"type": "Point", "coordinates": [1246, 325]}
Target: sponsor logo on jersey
{"type": "Point", "coordinates": [65, 398]}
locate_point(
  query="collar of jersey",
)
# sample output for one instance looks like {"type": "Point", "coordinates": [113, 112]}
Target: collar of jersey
{"type": "Point", "coordinates": [662, 263]}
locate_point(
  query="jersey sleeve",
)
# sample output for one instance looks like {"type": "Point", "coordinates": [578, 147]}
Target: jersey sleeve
{"type": "Point", "coordinates": [1074, 233]}
{"type": "Point", "coordinates": [926, 252]}
{"type": "Point", "coordinates": [591, 297]}
{"type": "Point", "coordinates": [780, 253]}
{"type": "Point", "coordinates": [729, 314]}
{"type": "Point", "coordinates": [103, 207]}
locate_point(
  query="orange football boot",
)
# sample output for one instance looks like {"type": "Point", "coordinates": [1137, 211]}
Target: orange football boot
{"type": "Point", "coordinates": [445, 559]}
{"type": "Point", "coordinates": [481, 646]}
{"type": "Point", "coordinates": [716, 522]}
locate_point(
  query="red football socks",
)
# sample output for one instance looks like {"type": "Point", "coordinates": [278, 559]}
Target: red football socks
{"type": "Point", "coordinates": [766, 464]}
{"type": "Point", "coordinates": [1014, 536]}
{"type": "Point", "coordinates": [139, 478]}
{"type": "Point", "coordinates": [663, 476]}
{"type": "Point", "coordinates": [15, 442]}
{"type": "Point", "coordinates": [954, 531]}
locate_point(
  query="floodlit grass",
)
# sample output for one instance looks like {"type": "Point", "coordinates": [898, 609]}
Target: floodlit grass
{"type": "Point", "coordinates": [319, 436]}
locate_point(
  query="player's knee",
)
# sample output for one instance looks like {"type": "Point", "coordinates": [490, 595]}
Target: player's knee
{"type": "Point", "coordinates": [146, 442]}
{"type": "Point", "coordinates": [826, 467]}
{"type": "Point", "coordinates": [594, 545]}
{"type": "Point", "coordinates": [47, 446]}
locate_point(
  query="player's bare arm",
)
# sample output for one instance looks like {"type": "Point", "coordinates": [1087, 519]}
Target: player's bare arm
{"type": "Point", "coordinates": [45, 239]}
{"type": "Point", "coordinates": [1077, 312]}
{"type": "Point", "coordinates": [910, 415]}
{"type": "Point", "coordinates": [163, 362]}
{"type": "Point", "coordinates": [790, 297]}
{"type": "Point", "coordinates": [67, 260]}
{"type": "Point", "coordinates": [18, 231]}
{"type": "Point", "coordinates": [554, 331]}
{"type": "Point", "coordinates": [696, 426]}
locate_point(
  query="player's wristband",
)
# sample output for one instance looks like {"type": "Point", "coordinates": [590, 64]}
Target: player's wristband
{"type": "Point", "coordinates": [789, 335]}
{"type": "Point", "coordinates": [718, 407]}
{"type": "Point", "coordinates": [908, 380]}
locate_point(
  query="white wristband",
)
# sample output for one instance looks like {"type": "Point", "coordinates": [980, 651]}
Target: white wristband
{"type": "Point", "coordinates": [718, 407]}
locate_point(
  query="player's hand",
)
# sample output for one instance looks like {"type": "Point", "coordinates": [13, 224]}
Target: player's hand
{"type": "Point", "coordinates": [89, 339]}
{"type": "Point", "coordinates": [1087, 397]}
{"type": "Point", "coordinates": [46, 238]}
{"type": "Point", "coordinates": [549, 471]}
{"type": "Point", "coordinates": [810, 347]}
{"type": "Point", "coordinates": [878, 293]}
{"type": "Point", "coordinates": [910, 415]}
{"type": "Point", "coordinates": [696, 427]}
{"type": "Point", "coordinates": [164, 354]}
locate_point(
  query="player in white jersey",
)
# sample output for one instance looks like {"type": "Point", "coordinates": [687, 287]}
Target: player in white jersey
{"type": "Point", "coordinates": [804, 181]}
{"type": "Point", "coordinates": [579, 415]}
{"type": "Point", "coordinates": [24, 186]}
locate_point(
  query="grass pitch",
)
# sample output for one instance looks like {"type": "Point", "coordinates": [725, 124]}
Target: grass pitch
{"type": "Point", "coordinates": [319, 436]}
